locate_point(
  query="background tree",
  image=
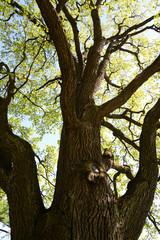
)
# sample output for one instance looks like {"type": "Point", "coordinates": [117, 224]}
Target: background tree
{"type": "Point", "coordinates": [106, 82]}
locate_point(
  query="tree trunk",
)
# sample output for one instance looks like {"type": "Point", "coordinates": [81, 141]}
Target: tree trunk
{"type": "Point", "coordinates": [84, 206]}
{"type": "Point", "coordinates": [83, 195]}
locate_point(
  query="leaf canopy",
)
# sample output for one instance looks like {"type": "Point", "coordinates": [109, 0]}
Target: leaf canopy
{"type": "Point", "coordinates": [28, 53]}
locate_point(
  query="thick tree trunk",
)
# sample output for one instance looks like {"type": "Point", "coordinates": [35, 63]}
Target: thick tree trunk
{"type": "Point", "coordinates": [21, 185]}
{"type": "Point", "coordinates": [84, 205]}
{"type": "Point", "coordinates": [83, 196]}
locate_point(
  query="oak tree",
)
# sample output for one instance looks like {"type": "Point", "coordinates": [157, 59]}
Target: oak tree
{"type": "Point", "coordinates": [95, 64]}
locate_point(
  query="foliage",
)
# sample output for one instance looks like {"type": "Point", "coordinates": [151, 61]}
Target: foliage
{"type": "Point", "coordinates": [29, 54]}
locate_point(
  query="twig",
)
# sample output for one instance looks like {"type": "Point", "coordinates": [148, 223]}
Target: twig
{"type": "Point", "coordinates": [153, 220]}
{"type": "Point", "coordinates": [2, 230]}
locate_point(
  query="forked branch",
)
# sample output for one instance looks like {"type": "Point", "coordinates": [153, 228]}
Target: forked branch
{"type": "Point", "coordinates": [125, 169]}
{"type": "Point", "coordinates": [66, 60]}
{"type": "Point", "coordinates": [119, 134]}
{"type": "Point", "coordinates": [60, 5]}
{"type": "Point", "coordinates": [130, 89]}
{"type": "Point", "coordinates": [76, 38]}
{"type": "Point", "coordinates": [154, 221]}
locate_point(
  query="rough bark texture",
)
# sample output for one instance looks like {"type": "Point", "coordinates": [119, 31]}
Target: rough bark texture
{"type": "Point", "coordinates": [18, 179]}
{"type": "Point", "coordinates": [84, 206]}
{"type": "Point", "coordinates": [87, 200]}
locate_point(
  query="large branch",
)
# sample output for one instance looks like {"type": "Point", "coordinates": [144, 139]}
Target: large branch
{"type": "Point", "coordinates": [119, 134]}
{"type": "Point", "coordinates": [139, 196]}
{"type": "Point", "coordinates": [92, 66]}
{"type": "Point", "coordinates": [60, 5]}
{"type": "Point", "coordinates": [22, 188]}
{"type": "Point", "coordinates": [95, 70]}
{"type": "Point", "coordinates": [66, 61]}
{"type": "Point", "coordinates": [76, 38]}
{"type": "Point", "coordinates": [96, 26]}
{"type": "Point", "coordinates": [90, 82]}
{"type": "Point", "coordinates": [123, 169]}
{"type": "Point", "coordinates": [148, 157]}
{"type": "Point", "coordinates": [128, 91]}
{"type": "Point", "coordinates": [123, 116]}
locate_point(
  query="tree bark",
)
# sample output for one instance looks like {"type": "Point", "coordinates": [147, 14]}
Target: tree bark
{"type": "Point", "coordinates": [83, 196]}
{"type": "Point", "coordinates": [135, 204]}
{"type": "Point", "coordinates": [21, 185]}
{"type": "Point", "coordinates": [84, 205]}
{"type": "Point", "coordinates": [18, 178]}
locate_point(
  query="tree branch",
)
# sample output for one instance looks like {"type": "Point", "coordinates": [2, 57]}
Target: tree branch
{"type": "Point", "coordinates": [10, 83]}
{"type": "Point", "coordinates": [60, 5]}
{"type": "Point", "coordinates": [135, 27]}
{"type": "Point", "coordinates": [115, 184]}
{"type": "Point", "coordinates": [35, 104]}
{"type": "Point", "coordinates": [123, 116]}
{"type": "Point", "coordinates": [139, 196]}
{"type": "Point", "coordinates": [96, 26]}
{"type": "Point", "coordinates": [96, 71]}
{"type": "Point", "coordinates": [49, 82]}
{"type": "Point", "coordinates": [119, 134]}
{"type": "Point", "coordinates": [66, 60]}
{"type": "Point", "coordinates": [123, 169]}
{"type": "Point", "coordinates": [134, 54]}
{"type": "Point", "coordinates": [91, 81]}
{"type": "Point", "coordinates": [76, 39]}
{"type": "Point", "coordinates": [148, 158]}
{"type": "Point", "coordinates": [129, 90]}
{"type": "Point", "coordinates": [22, 184]}
{"type": "Point", "coordinates": [109, 82]}
{"type": "Point", "coordinates": [2, 230]}
{"type": "Point", "coordinates": [31, 66]}
{"type": "Point", "coordinates": [154, 222]}
{"type": "Point", "coordinates": [21, 11]}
